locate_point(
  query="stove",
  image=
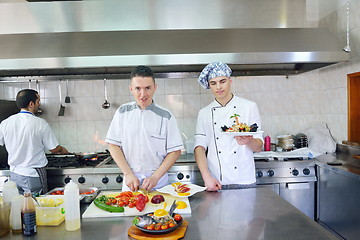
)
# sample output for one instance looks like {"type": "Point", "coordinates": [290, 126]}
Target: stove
{"type": "Point", "coordinates": [291, 177]}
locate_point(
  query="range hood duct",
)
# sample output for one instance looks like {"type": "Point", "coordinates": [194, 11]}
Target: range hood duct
{"type": "Point", "coordinates": [77, 48]}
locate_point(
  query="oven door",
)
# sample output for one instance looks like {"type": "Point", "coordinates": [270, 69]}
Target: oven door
{"type": "Point", "coordinates": [301, 195]}
{"type": "Point", "coordinates": [273, 186]}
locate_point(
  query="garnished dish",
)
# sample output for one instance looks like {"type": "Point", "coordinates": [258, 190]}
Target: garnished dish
{"type": "Point", "coordinates": [160, 221]}
{"type": "Point", "coordinates": [178, 189]}
{"type": "Point", "coordinates": [240, 129]}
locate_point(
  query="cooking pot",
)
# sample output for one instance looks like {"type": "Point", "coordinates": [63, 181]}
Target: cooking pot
{"type": "Point", "coordinates": [86, 156]}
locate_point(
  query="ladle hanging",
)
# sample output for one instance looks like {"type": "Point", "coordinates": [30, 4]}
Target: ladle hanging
{"type": "Point", "coordinates": [39, 111]}
{"type": "Point", "coordinates": [67, 98]}
{"type": "Point", "coordinates": [106, 104]}
{"type": "Point", "coordinates": [62, 108]}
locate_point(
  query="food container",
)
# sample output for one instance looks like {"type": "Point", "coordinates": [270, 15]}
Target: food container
{"type": "Point", "coordinates": [50, 212]}
{"type": "Point", "coordinates": [87, 194]}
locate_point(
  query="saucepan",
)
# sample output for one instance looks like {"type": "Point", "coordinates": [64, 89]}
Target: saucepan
{"type": "Point", "coordinates": [86, 156]}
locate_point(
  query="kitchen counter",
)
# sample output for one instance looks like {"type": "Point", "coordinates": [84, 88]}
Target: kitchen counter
{"type": "Point", "coordinates": [232, 214]}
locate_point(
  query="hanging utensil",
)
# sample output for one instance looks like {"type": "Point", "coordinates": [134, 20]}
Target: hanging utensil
{"type": "Point", "coordinates": [106, 104]}
{"type": "Point", "coordinates": [39, 111]}
{"type": "Point", "coordinates": [62, 108]}
{"type": "Point", "coordinates": [67, 98]}
{"type": "Point", "coordinates": [30, 84]}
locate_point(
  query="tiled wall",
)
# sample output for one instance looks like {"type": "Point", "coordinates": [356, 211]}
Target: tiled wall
{"type": "Point", "coordinates": [287, 105]}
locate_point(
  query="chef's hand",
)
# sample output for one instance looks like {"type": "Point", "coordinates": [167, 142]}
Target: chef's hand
{"type": "Point", "coordinates": [132, 182]}
{"type": "Point", "coordinates": [243, 140]}
{"type": "Point", "coordinates": [149, 183]}
{"type": "Point", "coordinates": [212, 184]}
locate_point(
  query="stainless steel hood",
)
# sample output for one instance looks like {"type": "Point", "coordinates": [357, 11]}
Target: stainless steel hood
{"type": "Point", "coordinates": [251, 45]}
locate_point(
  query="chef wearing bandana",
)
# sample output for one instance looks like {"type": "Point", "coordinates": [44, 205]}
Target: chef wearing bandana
{"type": "Point", "coordinates": [225, 162]}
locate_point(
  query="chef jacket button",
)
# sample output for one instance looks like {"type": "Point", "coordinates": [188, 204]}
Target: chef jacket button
{"type": "Point", "coordinates": [235, 167]}
{"type": "Point", "coordinates": [234, 106]}
{"type": "Point", "coordinates": [217, 138]}
{"type": "Point", "coordinates": [234, 151]}
{"type": "Point", "coordinates": [214, 123]}
{"type": "Point", "coordinates": [219, 151]}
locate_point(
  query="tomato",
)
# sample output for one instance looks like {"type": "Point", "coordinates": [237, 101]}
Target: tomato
{"type": "Point", "coordinates": [131, 205]}
{"type": "Point", "coordinates": [114, 201]}
{"type": "Point", "coordinates": [164, 227]}
{"type": "Point", "coordinates": [171, 225]}
{"type": "Point", "coordinates": [121, 203]}
{"type": "Point", "coordinates": [157, 227]}
{"type": "Point", "coordinates": [177, 217]}
{"type": "Point", "coordinates": [151, 227]}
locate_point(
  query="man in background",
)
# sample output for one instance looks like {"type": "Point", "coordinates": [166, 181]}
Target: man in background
{"type": "Point", "coordinates": [26, 137]}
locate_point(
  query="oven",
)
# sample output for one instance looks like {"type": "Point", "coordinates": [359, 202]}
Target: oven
{"type": "Point", "coordinates": [293, 179]}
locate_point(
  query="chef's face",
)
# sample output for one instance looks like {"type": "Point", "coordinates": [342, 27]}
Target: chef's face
{"type": "Point", "coordinates": [143, 89]}
{"type": "Point", "coordinates": [36, 103]}
{"type": "Point", "coordinates": [220, 87]}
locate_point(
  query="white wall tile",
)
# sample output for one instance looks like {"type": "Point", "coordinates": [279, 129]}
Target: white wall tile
{"type": "Point", "coordinates": [86, 133]}
{"type": "Point", "coordinates": [191, 86]}
{"type": "Point", "coordinates": [191, 105]}
{"type": "Point", "coordinates": [173, 86]}
{"type": "Point", "coordinates": [175, 104]}
{"type": "Point", "coordinates": [68, 133]}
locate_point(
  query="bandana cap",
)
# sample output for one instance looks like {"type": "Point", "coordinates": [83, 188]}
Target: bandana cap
{"type": "Point", "coordinates": [213, 70]}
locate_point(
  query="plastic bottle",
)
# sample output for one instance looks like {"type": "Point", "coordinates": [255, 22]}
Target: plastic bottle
{"type": "Point", "coordinates": [15, 213]}
{"type": "Point", "coordinates": [72, 206]}
{"type": "Point", "coordinates": [28, 216]}
{"type": "Point", "coordinates": [10, 190]}
{"type": "Point", "coordinates": [267, 146]}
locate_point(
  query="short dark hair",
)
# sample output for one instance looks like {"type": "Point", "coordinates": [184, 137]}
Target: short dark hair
{"type": "Point", "coordinates": [142, 71]}
{"type": "Point", "coordinates": [25, 96]}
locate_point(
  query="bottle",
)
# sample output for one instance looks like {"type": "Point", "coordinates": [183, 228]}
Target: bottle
{"type": "Point", "coordinates": [28, 215]}
{"type": "Point", "coordinates": [72, 206]}
{"type": "Point", "coordinates": [15, 213]}
{"type": "Point", "coordinates": [10, 190]}
{"type": "Point", "coordinates": [267, 146]}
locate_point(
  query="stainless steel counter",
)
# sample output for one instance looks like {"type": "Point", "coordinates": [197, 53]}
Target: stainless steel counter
{"type": "Point", "coordinates": [232, 214]}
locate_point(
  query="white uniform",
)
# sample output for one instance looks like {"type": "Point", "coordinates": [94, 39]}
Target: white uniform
{"type": "Point", "coordinates": [228, 161]}
{"type": "Point", "coordinates": [145, 136]}
{"type": "Point", "coordinates": [26, 138]}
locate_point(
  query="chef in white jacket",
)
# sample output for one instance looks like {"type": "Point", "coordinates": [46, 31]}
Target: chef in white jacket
{"type": "Point", "coordinates": [225, 161]}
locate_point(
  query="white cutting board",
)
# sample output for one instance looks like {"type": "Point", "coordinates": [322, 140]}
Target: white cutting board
{"type": "Point", "coordinates": [94, 212]}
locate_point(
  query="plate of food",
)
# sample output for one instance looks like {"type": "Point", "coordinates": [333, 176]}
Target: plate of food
{"type": "Point", "coordinates": [158, 222]}
{"type": "Point", "coordinates": [179, 189]}
{"type": "Point", "coordinates": [243, 133]}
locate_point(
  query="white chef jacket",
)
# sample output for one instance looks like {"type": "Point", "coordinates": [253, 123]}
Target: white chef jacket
{"type": "Point", "coordinates": [26, 138]}
{"type": "Point", "coordinates": [145, 136]}
{"type": "Point", "coordinates": [228, 161]}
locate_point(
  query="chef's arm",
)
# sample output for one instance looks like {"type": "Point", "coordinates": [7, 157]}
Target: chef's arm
{"type": "Point", "coordinates": [211, 183]}
{"type": "Point", "coordinates": [255, 144]}
{"type": "Point", "coordinates": [150, 182]}
{"type": "Point", "coordinates": [59, 150]}
{"type": "Point", "coordinates": [118, 155]}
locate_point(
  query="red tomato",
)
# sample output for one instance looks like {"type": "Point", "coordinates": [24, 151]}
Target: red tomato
{"type": "Point", "coordinates": [121, 203]}
{"type": "Point", "coordinates": [171, 225]}
{"type": "Point", "coordinates": [157, 227]}
{"type": "Point", "coordinates": [164, 227]}
{"type": "Point", "coordinates": [151, 227]}
{"type": "Point", "coordinates": [177, 217]}
{"type": "Point", "coordinates": [131, 205]}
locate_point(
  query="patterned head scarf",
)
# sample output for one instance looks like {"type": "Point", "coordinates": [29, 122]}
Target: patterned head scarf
{"type": "Point", "coordinates": [213, 70]}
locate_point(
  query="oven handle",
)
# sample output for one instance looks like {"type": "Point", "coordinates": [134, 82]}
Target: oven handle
{"type": "Point", "coordinates": [295, 186]}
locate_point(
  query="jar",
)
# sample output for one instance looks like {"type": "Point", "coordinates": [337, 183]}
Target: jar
{"type": "Point", "coordinates": [72, 206]}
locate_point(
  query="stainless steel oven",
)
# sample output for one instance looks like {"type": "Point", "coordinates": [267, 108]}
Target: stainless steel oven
{"type": "Point", "coordinates": [293, 180]}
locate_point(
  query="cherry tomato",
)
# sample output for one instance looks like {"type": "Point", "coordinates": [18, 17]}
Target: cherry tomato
{"type": "Point", "coordinates": [177, 217]}
{"type": "Point", "coordinates": [131, 205]}
{"type": "Point", "coordinates": [151, 227]}
{"type": "Point", "coordinates": [164, 227]}
{"type": "Point", "coordinates": [121, 203]}
{"type": "Point", "coordinates": [171, 225]}
{"type": "Point", "coordinates": [157, 227]}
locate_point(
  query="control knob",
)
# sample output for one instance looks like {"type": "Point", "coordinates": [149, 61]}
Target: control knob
{"type": "Point", "coordinates": [306, 171]}
{"type": "Point", "coordinates": [180, 176]}
{"type": "Point", "coordinates": [105, 180]}
{"type": "Point", "coordinates": [81, 179]}
{"type": "Point", "coordinates": [67, 179]}
{"type": "Point", "coordinates": [119, 179]}
{"type": "Point", "coordinates": [259, 174]}
{"type": "Point", "coordinates": [295, 172]}
{"type": "Point", "coordinates": [270, 173]}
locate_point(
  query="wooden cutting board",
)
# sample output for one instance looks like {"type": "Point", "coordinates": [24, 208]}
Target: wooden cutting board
{"type": "Point", "coordinates": [94, 212]}
{"type": "Point", "coordinates": [178, 233]}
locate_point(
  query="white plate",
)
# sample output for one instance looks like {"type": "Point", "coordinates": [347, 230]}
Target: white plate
{"type": "Point", "coordinates": [171, 190]}
{"type": "Point", "coordinates": [243, 133]}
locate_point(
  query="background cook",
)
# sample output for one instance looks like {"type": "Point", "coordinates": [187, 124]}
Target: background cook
{"type": "Point", "coordinates": [144, 139]}
{"type": "Point", "coordinates": [225, 162]}
{"type": "Point", "coordinates": [26, 137]}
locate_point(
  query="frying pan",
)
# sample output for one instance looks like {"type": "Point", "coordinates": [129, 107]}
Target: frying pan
{"type": "Point", "coordinates": [85, 156]}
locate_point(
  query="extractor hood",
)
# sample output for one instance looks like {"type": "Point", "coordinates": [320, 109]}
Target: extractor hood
{"type": "Point", "coordinates": [83, 50]}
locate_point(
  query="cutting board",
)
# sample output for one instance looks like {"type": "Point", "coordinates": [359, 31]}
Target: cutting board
{"type": "Point", "coordinates": [94, 212]}
{"type": "Point", "coordinates": [178, 233]}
